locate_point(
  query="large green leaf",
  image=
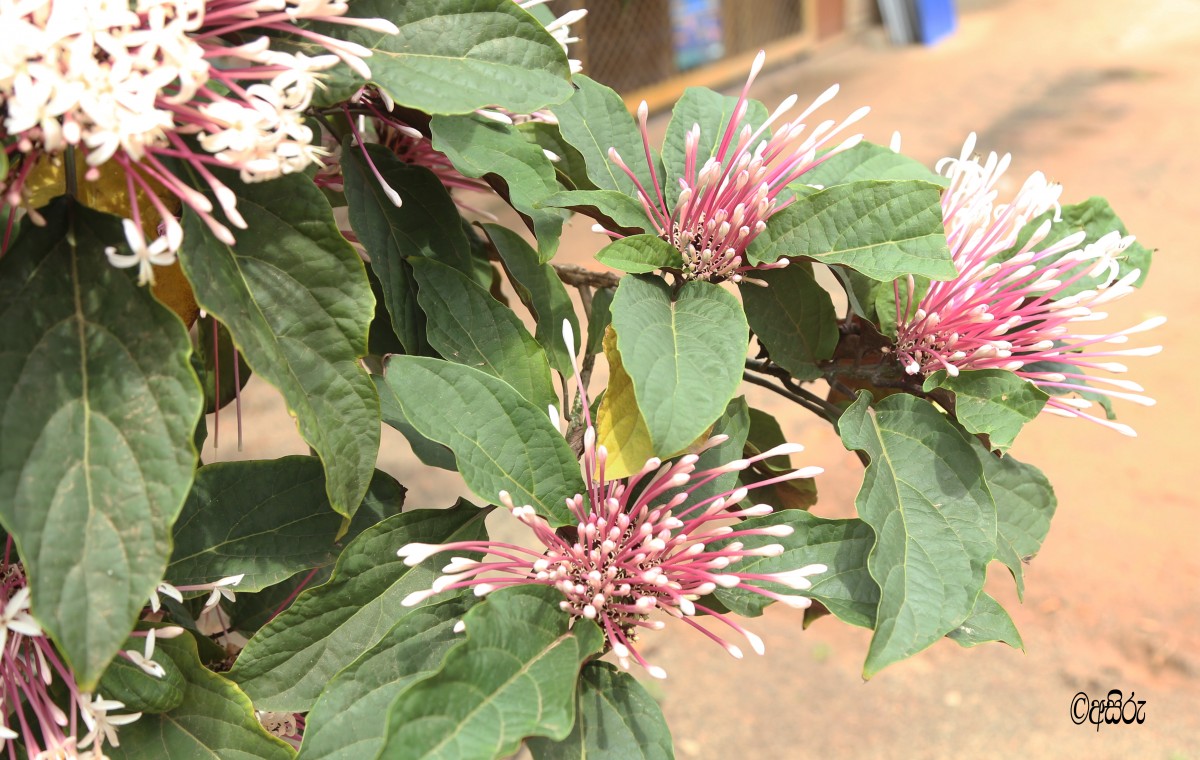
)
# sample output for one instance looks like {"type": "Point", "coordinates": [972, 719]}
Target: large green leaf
{"type": "Point", "coordinates": [595, 119]}
{"type": "Point", "coordinates": [502, 442]}
{"type": "Point", "coordinates": [454, 56]}
{"type": "Point", "coordinates": [993, 402]}
{"type": "Point", "coordinates": [429, 452]}
{"type": "Point", "coordinates": [884, 229]}
{"type": "Point", "coordinates": [615, 211]}
{"type": "Point", "coordinates": [513, 677]}
{"type": "Point", "coordinates": [538, 287]}
{"type": "Point", "coordinates": [290, 661]}
{"type": "Point", "coordinates": [267, 520]}
{"type": "Point", "coordinates": [350, 717]}
{"type": "Point", "coordinates": [518, 170]}
{"type": "Point", "coordinates": [1096, 218]}
{"type": "Point", "coordinates": [793, 317]}
{"type": "Point", "coordinates": [934, 519]}
{"type": "Point", "coordinates": [425, 224]}
{"type": "Point", "coordinates": [1025, 504]}
{"type": "Point", "coordinates": [295, 297]}
{"type": "Point", "coordinates": [846, 589]}
{"type": "Point", "coordinates": [869, 161]}
{"type": "Point", "coordinates": [215, 719]}
{"type": "Point", "coordinates": [253, 611]}
{"type": "Point", "coordinates": [685, 355]}
{"type": "Point", "coordinates": [640, 254]}
{"type": "Point", "coordinates": [599, 319]}
{"type": "Point", "coordinates": [712, 111]}
{"type": "Point", "coordinates": [988, 622]}
{"type": "Point", "coordinates": [568, 162]}
{"type": "Point", "coordinates": [468, 326]}
{"type": "Point", "coordinates": [98, 403]}
{"type": "Point", "coordinates": [616, 717]}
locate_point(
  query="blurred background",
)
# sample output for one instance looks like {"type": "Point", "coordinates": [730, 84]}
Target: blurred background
{"type": "Point", "coordinates": [1103, 96]}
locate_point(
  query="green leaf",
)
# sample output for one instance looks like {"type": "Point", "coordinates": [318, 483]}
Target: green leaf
{"type": "Point", "coordinates": [290, 661]}
{"type": "Point", "coordinates": [988, 622]}
{"type": "Point", "coordinates": [253, 611]}
{"type": "Point", "coordinates": [884, 229]}
{"type": "Point", "coordinates": [640, 254]}
{"type": "Point", "coordinates": [992, 402]}
{"type": "Point", "coordinates": [935, 521]}
{"type": "Point", "coordinates": [869, 161]}
{"type": "Point", "coordinates": [615, 211]}
{"type": "Point", "coordinates": [538, 287]}
{"type": "Point", "coordinates": [1025, 504]}
{"type": "Point", "coordinates": [98, 404]}
{"type": "Point", "coordinates": [426, 224]}
{"type": "Point", "coordinates": [513, 677]}
{"type": "Point", "coordinates": [1095, 217]}
{"type": "Point", "coordinates": [381, 338]}
{"type": "Point", "coordinates": [295, 296]}
{"type": "Point", "coordinates": [570, 166]}
{"type": "Point", "coordinates": [453, 56]}
{"type": "Point", "coordinates": [793, 317]}
{"type": "Point", "coordinates": [501, 441]}
{"type": "Point", "coordinates": [467, 326]}
{"type": "Point", "coordinates": [685, 356]}
{"type": "Point", "coordinates": [712, 111]}
{"type": "Point", "coordinates": [267, 519]}
{"type": "Point", "coordinates": [215, 719]}
{"type": "Point", "coordinates": [595, 119]}
{"type": "Point", "coordinates": [599, 319]}
{"type": "Point", "coordinates": [616, 717]}
{"type": "Point", "coordinates": [349, 719]}
{"type": "Point", "coordinates": [429, 452]}
{"type": "Point", "coordinates": [516, 169]}
{"type": "Point", "coordinates": [846, 589]}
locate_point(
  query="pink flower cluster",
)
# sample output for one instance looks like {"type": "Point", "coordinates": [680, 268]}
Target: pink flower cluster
{"type": "Point", "coordinates": [152, 82]}
{"type": "Point", "coordinates": [635, 550]}
{"type": "Point", "coordinates": [1016, 314]}
{"type": "Point", "coordinates": [725, 202]}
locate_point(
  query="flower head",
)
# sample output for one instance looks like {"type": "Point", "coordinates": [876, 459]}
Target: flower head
{"type": "Point", "coordinates": [1018, 314]}
{"type": "Point", "coordinates": [725, 202]}
{"type": "Point", "coordinates": [29, 666]}
{"type": "Point", "coordinates": [146, 83]}
{"type": "Point", "coordinates": [285, 725]}
{"type": "Point", "coordinates": [640, 545]}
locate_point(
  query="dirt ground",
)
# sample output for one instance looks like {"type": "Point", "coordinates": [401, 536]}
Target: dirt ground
{"type": "Point", "coordinates": [1104, 96]}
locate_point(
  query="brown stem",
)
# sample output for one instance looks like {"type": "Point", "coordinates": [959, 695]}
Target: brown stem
{"type": "Point", "coordinates": [575, 275]}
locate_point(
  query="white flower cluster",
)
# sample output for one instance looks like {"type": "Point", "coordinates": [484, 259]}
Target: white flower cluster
{"type": "Point", "coordinates": [88, 72]}
{"type": "Point", "coordinates": [112, 76]}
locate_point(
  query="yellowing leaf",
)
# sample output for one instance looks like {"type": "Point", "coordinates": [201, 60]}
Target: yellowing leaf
{"type": "Point", "coordinates": [109, 192]}
{"type": "Point", "coordinates": [619, 424]}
